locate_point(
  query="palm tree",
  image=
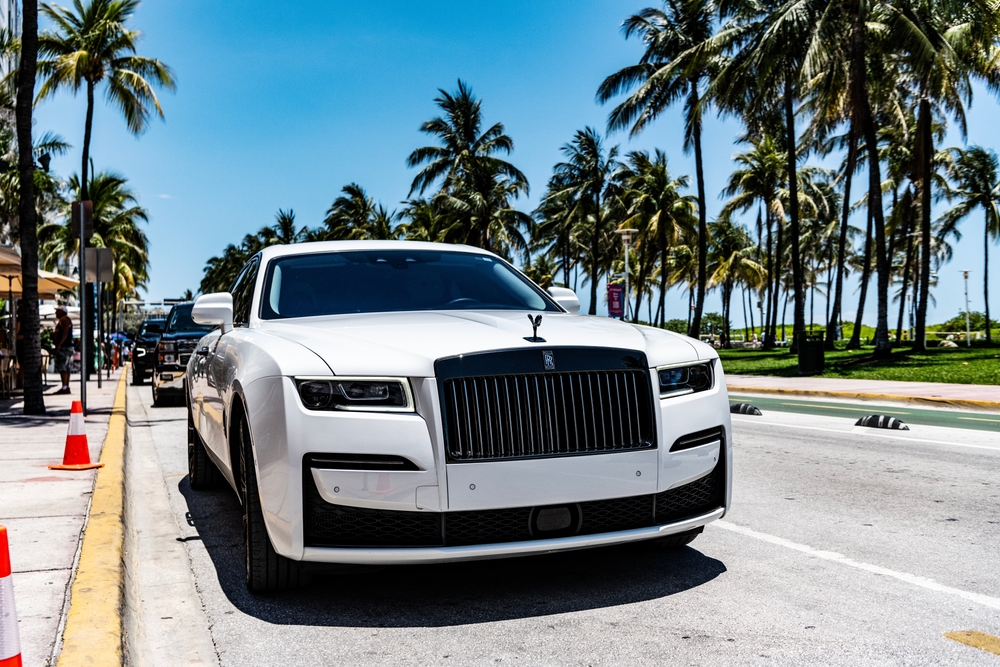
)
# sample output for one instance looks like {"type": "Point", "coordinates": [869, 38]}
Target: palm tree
{"type": "Point", "coordinates": [284, 231]}
{"type": "Point", "coordinates": [477, 187]}
{"type": "Point", "coordinates": [655, 206]}
{"type": "Point", "coordinates": [583, 181]}
{"type": "Point", "coordinates": [733, 261]}
{"type": "Point", "coordinates": [350, 212]}
{"type": "Point", "coordinates": [34, 404]}
{"type": "Point", "coordinates": [756, 181]}
{"type": "Point", "coordinates": [424, 222]}
{"type": "Point", "coordinates": [942, 44]}
{"type": "Point", "coordinates": [674, 66]}
{"type": "Point", "coordinates": [117, 220]}
{"type": "Point", "coordinates": [977, 185]}
{"type": "Point", "coordinates": [91, 45]}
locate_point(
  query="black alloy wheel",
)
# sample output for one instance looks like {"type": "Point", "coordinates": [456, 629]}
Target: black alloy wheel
{"type": "Point", "coordinates": [266, 570]}
{"type": "Point", "coordinates": [137, 377]}
{"type": "Point", "coordinates": [202, 472]}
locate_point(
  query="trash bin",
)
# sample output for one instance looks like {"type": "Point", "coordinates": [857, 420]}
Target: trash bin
{"type": "Point", "coordinates": [811, 353]}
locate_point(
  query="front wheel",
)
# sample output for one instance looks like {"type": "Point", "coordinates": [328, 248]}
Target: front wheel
{"type": "Point", "coordinates": [266, 570]}
{"type": "Point", "coordinates": [158, 401]}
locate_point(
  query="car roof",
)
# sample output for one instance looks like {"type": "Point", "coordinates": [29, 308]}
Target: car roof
{"type": "Point", "coordinates": [342, 246]}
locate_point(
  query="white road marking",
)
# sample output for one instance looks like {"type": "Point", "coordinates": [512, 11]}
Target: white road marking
{"type": "Point", "coordinates": [752, 420]}
{"type": "Point", "coordinates": [913, 579]}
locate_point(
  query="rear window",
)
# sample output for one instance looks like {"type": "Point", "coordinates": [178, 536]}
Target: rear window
{"type": "Point", "coordinates": [180, 320]}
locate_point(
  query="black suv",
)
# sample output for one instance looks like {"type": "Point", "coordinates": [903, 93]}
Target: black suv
{"type": "Point", "coordinates": [144, 352]}
{"type": "Point", "coordinates": [177, 344]}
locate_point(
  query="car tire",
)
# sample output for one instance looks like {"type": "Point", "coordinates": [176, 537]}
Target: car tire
{"type": "Point", "coordinates": [677, 540]}
{"type": "Point", "coordinates": [158, 401]}
{"type": "Point", "coordinates": [137, 378]}
{"type": "Point", "coordinates": [202, 471]}
{"type": "Point", "coordinates": [266, 570]}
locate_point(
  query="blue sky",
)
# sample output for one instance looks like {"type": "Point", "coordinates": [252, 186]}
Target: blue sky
{"type": "Point", "coordinates": [279, 105]}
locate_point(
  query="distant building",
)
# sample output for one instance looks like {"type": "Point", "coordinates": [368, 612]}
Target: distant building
{"type": "Point", "coordinates": [10, 22]}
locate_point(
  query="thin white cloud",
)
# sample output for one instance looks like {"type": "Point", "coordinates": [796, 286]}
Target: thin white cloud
{"type": "Point", "coordinates": [165, 197]}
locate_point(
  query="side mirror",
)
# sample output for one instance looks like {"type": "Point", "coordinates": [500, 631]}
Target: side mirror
{"type": "Point", "coordinates": [215, 309]}
{"type": "Point", "coordinates": [566, 298]}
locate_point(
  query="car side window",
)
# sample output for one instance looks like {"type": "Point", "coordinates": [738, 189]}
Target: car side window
{"type": "Point", "coordinates": [243, 293]}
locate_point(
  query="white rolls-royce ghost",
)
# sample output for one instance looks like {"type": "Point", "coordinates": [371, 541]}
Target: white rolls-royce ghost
{"type": "Point", "coordinates": [399, 402]}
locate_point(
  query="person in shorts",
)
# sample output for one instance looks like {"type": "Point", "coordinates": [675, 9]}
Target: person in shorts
{"type": "Point", "coordinates": [63, 339]}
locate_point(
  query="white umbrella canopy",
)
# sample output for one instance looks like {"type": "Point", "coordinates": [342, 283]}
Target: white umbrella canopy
{"type": "Point", "coordinates": [49, 283]}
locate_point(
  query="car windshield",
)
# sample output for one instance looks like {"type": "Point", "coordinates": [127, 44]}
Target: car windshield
{"type": "Point", "coordinates": [151, 327]}
{"type": "Point", "coordinates": [180, 320]}
{"type": "Point", "coordinates": [376, 281]}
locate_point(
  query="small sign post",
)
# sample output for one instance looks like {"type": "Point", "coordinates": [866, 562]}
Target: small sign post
{"type": "Point", "coordinates": [616, 306]}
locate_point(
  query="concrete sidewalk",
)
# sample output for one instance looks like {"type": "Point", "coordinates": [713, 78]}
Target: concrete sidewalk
{"type": "Point", "coordinates": [984, 397]}
{"type": "Point", "coordinates": [45, 510]}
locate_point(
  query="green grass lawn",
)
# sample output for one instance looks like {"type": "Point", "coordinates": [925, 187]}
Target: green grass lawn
{"type": "Point", "coordinates": [976, 365]}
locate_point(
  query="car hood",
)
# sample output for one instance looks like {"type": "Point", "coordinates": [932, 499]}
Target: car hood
{"type": "Point", "coordinates": [407, 344]}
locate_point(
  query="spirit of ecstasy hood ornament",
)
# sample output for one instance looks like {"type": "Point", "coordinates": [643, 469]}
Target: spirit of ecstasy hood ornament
{"type": "Point", "coordinates": [536, 322]}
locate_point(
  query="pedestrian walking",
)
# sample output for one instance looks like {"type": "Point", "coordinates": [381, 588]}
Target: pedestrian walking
{"type": "Point", "coordinates": [63, 347]}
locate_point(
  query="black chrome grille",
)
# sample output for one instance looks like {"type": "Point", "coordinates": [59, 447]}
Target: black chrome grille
{"type": "Point", "coordinates": [328, 525]}
{"type": "Point", "coordinates": [547, 414]}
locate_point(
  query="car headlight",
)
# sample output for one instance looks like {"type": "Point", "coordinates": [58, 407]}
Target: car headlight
{"type": "Point", "coordinates": [687, 379]}
{"type": "Point", "coordinates": [358, 394]}
{"type": "Point", "coordinates": [168, 347]}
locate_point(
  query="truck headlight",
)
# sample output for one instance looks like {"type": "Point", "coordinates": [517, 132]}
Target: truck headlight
{"type": "Point", "coordinates": [357, 394]}
{"type": "Point", "coordinates": [168, 347]}
{"type": "Point", "coordinates": [684, 379]}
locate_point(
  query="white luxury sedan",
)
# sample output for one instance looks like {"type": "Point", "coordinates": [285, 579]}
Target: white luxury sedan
{"type": "Point", "coordinates": [399, 402]}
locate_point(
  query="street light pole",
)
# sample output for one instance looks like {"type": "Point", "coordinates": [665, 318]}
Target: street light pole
{"type": "Point", "coordinates": [627, 241]}
{"type": "Point", "coordinates": [968, 328]}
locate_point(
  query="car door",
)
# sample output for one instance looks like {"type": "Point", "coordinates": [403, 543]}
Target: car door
{"type": "Point", "coordinates": [220, 371]}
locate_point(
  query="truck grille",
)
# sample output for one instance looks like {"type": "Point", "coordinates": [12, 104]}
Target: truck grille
{"type": "Point", "coordinates": [547, 414]}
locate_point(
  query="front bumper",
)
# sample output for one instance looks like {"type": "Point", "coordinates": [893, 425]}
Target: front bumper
{"type": "Point", "coordinates": [363, 556]}
{"type": "Point", "coordinates": [169, 381]}
{"type": "Point", "coordinates": [284, 433]}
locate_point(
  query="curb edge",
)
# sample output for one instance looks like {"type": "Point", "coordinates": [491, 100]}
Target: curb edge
{"type": "Point", "coordinates": [896, 398]}
{"type": "Point", "coordinates": [93, 630]}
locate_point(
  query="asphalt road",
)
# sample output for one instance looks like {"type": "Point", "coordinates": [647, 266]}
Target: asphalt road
{"type": "Point", "coordinates": [845, 546]}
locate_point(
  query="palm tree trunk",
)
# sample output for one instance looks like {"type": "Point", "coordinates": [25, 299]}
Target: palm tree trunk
{"type": "Point", "coordinates": [661, 240]}
{"type": "Point", "coordinates": [866, 270]}
{"type": "Point", "coordinates": [778, 266]}
{"type": "Point", "coordinates": [34, 403]}
{"type": "Point", "coordinates": [799, 312]}
{"type": "Point", "coordinates": [765, 323]}
{"type": "Point", "coordinates": [695, 327]}
{"type": "Point", "coordinates": [746, 323]}
{"type": "Point", "coordinates": [986, 275]}
{"type": "Point", "coordinates": [906, 276]}
{"type": "Point", "coordinates": [727, 300]}
{"type": "Point", "coordinates": [926, 147]}
{"type": "Point", "coordinates": [639, 284]}
{"type": "Point", "coordinates": [862, 113]}
{"type": "Point", "coordinates": [852, 159]}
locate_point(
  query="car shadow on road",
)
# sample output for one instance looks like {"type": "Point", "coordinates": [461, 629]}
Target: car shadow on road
{"type": "Point", "coordinates": [447, 594]}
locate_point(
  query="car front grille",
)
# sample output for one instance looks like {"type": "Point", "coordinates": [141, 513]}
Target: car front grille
{"type": "Point", "coordinates": [547, 414]}
{"type": "Point", "coordinates": [329, 525]}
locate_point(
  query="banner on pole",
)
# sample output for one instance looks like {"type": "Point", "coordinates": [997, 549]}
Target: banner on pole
{"type": "Point", "coordinates": [616, 301]}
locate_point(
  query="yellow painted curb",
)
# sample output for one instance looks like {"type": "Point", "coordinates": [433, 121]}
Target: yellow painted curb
{"type": "Point", "coordinates": [93, 634]}
{"type": "Point", "coordinates": [937, 401]}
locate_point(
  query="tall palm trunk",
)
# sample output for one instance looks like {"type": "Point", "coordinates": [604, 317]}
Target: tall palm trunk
{"type": "Point", "coordinates": [778, 266]}
{"type": "Point", "coordinates": [799, 311]}
{"type": "Point", "coordinates": [852, 159]}
{"type": "Point", "coordinates": [34, 403]}
{"type": "Point", "coordinates": [661, 241]}
{"type": "Point", "coordinates": [986, 275]}
{"type": "Point", "coordinates": [641, 282]}
{"type": "Point", "coordinates": [765, 323]}
{"type": "Point", "coordinates": [595, 274]}
{"type": "Point", "coordinates": [926, 143]}
{"type": "Point", "coordinates": [866, 272]}
{"type": "Point", "coordinates": [862, 111]}
{"type": "Point", "coordinates": [695, 328]}
{"type": "Point", "coordinates": [907, 224]}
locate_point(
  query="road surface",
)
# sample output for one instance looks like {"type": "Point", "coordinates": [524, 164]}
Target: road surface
{"type": "Point", "coordinates": [844, 546]}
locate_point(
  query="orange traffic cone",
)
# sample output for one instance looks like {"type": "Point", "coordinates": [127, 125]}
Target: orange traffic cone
{"type": "Point", "coordinates": [10, 643]}
{"type": "Point", "coordinates": [76, 456]}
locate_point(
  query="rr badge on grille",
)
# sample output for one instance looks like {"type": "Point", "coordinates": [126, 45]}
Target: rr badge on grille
{"type": "Point", "coordinates": [549, 360]}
